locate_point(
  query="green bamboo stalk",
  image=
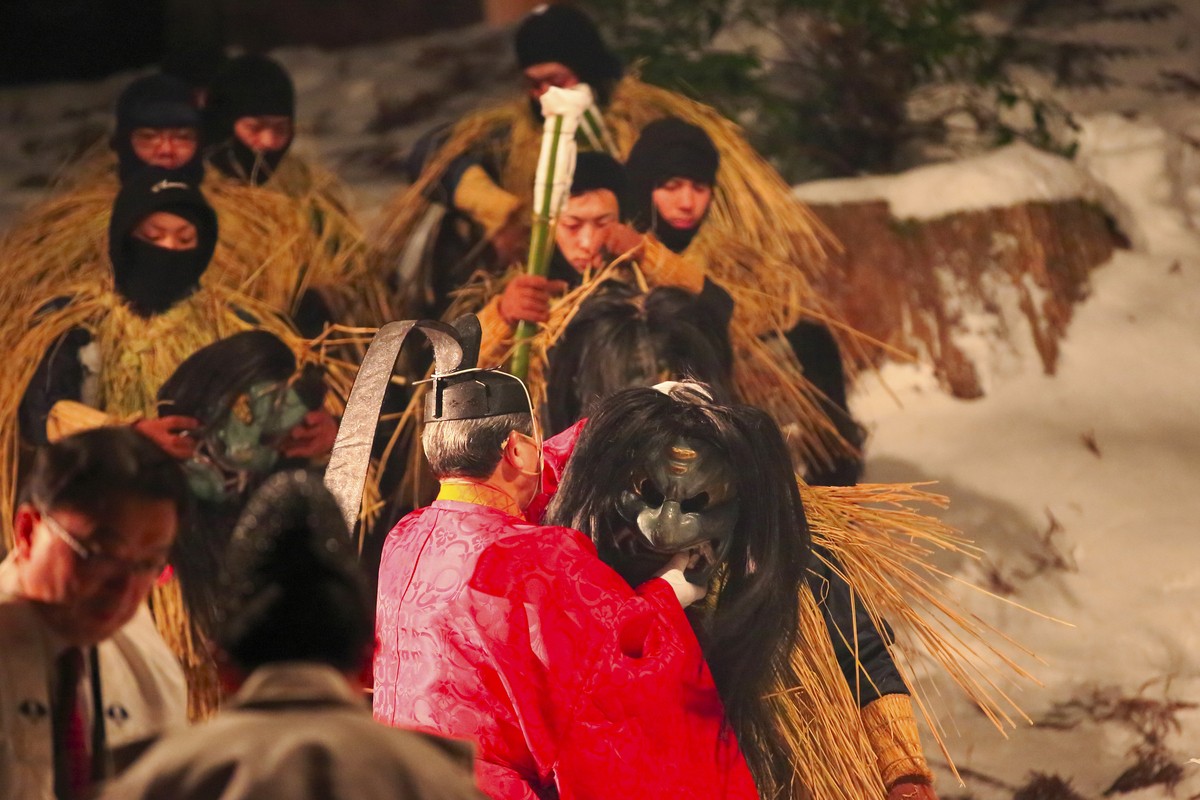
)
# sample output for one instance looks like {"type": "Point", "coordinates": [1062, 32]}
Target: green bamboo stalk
{"type": "Point", "coordinates": [539, 254]}
{"type": "Point", "coordinates": [596, 134]}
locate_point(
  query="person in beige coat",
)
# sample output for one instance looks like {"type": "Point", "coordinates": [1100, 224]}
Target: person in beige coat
{"type": "Point", "coordinates": [84, 676]}
{"type": "Point", "coordinates": [297, 624]}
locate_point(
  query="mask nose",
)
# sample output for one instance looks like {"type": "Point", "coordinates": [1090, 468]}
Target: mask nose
{"type": "Point", "coordinates": [666, 527]}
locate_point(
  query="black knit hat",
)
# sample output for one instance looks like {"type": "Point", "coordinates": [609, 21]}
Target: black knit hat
{"type": "Point", "coordinates": [600, 171]}
{"type": "Point", "coordinates": [250, 86]}
{"type": "Point", "coordinates": [565, 35]}
{"type": "Point", "coordinates": [156, 101]}
{"type": "Point", "coordinates": [667, 148]}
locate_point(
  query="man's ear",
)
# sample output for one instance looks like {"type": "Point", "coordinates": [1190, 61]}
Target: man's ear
{"type": "Point", "coordinates": [521, 451]}
{"type": "Point", "coordinates": [23, 524]}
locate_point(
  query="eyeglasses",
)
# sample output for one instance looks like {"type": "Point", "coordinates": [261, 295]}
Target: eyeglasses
{"type": "Point", "coordinates": [92, 556]}
{"type": "Point", "coordinates": [155, 137]}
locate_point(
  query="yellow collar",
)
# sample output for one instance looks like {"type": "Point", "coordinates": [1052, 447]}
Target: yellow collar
{"type": "Point", "coordinates": [479, 494]}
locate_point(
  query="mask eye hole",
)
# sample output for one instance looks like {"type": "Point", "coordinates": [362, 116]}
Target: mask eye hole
{"type": "Point", "coordinates": [650, 493]}
{"type": "Point", "coordinates": [694, 504]}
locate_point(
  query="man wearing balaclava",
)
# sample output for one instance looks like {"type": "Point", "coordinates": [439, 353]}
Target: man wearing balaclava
{"type": "Point", "coordinates": [250, 118]}
{"type": "Point", "coordinates": [588, 234]}
{"type": "Point", "coordinates": [113, 341]}
{"type": "Point", "coordinates": [158, 125]}
{"type": "Point", "coordinates": [518, 637]}
{"type": "Point", "coordinates": [672, 172]}
{"type": "Point", "coordinates": [289, 212]}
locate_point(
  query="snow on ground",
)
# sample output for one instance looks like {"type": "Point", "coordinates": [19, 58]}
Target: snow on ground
{"type": "Point", "coordinates": [1107, 452]}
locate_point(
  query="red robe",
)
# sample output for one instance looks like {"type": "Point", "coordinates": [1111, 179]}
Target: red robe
{"type": "Point", "coordinates": [517, 637]}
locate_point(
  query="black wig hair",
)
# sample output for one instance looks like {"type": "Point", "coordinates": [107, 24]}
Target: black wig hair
{"type": "Point", "coordinates": [292, 587]}
{"type": "Point", "coordinates": [207, 382]}
{"type": "Point", "coordinates": [622, 337]}
{"type": "Point", "coordinates": [205, 387]}
{"type": "Point", "coordinates": [749, 632]}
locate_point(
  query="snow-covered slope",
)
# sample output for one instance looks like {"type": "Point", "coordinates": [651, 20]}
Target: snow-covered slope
{"type": "Point", "coordinates": [1085, 489]}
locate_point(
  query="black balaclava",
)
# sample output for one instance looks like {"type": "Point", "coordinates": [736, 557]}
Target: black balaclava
{"type": "Point", "coordinates": [592, 171]}
{"type": "Point", "coordinates": [667, 148]}
{"type": "Point", "coordinates": [567, 36]}
{"type": "Point", "coordinates": [151, 278]}
{"type": "Point", "coordinates": [155, 101]}
{"type": "Point", "coordinates": [247, 86]}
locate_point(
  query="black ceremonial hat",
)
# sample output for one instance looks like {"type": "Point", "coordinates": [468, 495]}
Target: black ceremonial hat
{"type": "Point", "coordinates": [461, 391]}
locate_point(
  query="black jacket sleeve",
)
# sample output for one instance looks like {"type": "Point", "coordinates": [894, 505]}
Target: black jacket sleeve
{"type": "Point", "coordinates": [59, 376]}
{"type": "Point", "coordinates": [860, 647]}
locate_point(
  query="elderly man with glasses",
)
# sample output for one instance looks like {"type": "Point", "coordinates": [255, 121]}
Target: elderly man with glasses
{"type": "Point", "coordinates": [84, 675]}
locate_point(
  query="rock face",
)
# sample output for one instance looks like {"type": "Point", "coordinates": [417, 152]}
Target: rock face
{"type": "Point", "coordinates": [921, 285]}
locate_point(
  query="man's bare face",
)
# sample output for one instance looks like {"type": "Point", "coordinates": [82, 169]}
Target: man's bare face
{"type": "Point", "coordinates": [88, 599]}
{"type": "Point", "coordinates": [168, 148]}
{"type": "Point", "coordinates": [168, 231]}
{"type": "Point", "coordinates": [682, 202]}
{"type": "Point", "coordinates": [540, 77]}
{"type": "Point", "coordinates": [583, 228]}
{"type": "Point", "coordinates": [265, 134]}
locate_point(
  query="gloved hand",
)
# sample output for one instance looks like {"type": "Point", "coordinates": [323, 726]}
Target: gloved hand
{"type": "Point", "coordinates": [171, 434]}
{"type": "Point", "coordinates": [312, 437]}
{"type": "Point", "coordinates": [685, 591]}
{"type": "Point", "coordinates": [623, 239]}
{"type": "Point", "coordinates": [527, 298]}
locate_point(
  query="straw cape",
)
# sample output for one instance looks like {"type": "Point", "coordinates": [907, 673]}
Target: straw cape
{"type": "Point", "coordinates": [886, 550]}
{"type": "Point", "coordinates": [275, 241]}
{"type": "Point", "coordinates": [782, 245]}
{"type": "Point", "coordinates": [298, 232]}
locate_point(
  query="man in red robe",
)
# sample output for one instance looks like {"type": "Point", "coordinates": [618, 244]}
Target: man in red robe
{"type": "Point", "coordinates": [518, 637]}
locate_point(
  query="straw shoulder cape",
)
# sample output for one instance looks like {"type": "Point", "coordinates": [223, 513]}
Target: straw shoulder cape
{"type": "Point", "coordinates": [299, 232]}
{"type": "Point", "coordinates": [752, 205]}
{"type": "Point", "coordinates": [272, 246]}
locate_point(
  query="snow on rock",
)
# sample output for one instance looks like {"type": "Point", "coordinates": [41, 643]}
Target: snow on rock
{"type": "Point", "coordinates": [1005, 177]}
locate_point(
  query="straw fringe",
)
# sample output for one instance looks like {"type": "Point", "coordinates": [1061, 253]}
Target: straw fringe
{"type": "Point", "coordinates": [886, 552]}
{"type": "Point", "coordinates": [190, 648]}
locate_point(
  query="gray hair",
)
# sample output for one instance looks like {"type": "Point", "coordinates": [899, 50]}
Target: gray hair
{"type": "Point", "coordinates": [470, 448]}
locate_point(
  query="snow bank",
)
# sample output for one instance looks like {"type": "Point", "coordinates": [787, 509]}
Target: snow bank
{"type": "Point", "coordinates": [1006, 177]}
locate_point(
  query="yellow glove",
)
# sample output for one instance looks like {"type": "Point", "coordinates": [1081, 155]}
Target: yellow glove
{"type": "Point", "coordinates": [892, 728]}
{"type": "Point", "coordinates": [483, 201]}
